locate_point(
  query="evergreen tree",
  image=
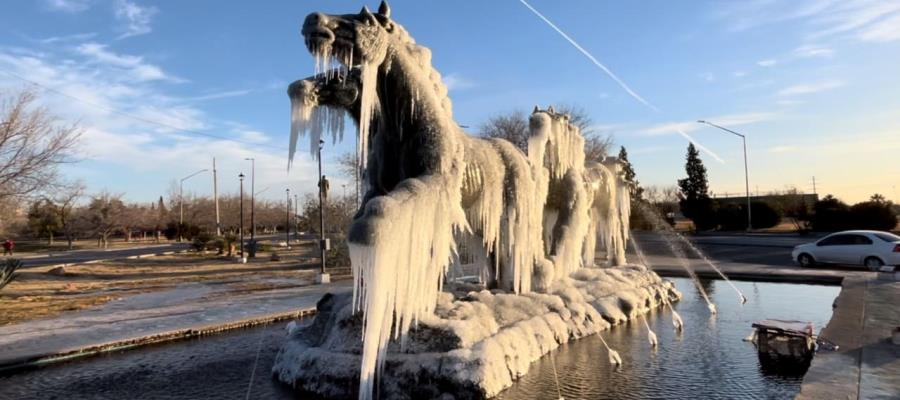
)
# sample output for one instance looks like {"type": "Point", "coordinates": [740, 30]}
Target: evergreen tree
{"type": "Point", "coordinates": [695, 202]}
{"type": "Point", "coordinates": [695, 186]}
{"type": "Point", "coordinates": [629, 176]}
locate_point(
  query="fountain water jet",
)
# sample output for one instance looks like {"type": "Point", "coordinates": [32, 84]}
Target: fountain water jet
{"type": "Point", "coordinates": [664, 227]}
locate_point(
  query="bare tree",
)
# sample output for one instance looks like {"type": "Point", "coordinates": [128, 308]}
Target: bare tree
{"type": "Point", "coordinates": [32, 145]}
{"type": "Point", "coordinates": [66, 200]}
{"type": "Point", "coordinates": [513, 126]}
{"type": "Point", "coordinates": [105, 213]}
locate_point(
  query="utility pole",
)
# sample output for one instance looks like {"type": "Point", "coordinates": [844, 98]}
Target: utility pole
{"type": "Point", "coordinates": [296, 213]}
{"type": "Point", "coordinates": [181, 204]}
{"type": "Point", "coordinates": [216, 198]}
{"type": "Point", "coordinates": [287, 221]}
{"type": "Point", "coordinates": [746, 170]}
{"type": "Point", "coordinates": [814, 186]}
{"type": "Point", "coordinates": [241, 177]}
{"type": "Point", "coordinates": [323, 243]}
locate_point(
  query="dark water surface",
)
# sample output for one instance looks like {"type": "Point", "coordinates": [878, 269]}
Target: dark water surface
{"type": "Point", "coordinates": [709, 360]}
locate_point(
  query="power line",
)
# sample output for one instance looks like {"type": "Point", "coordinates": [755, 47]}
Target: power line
{"type": "Point", "coordinates": [135, 117]}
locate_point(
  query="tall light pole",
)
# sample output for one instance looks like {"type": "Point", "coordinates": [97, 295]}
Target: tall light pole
{"type": "Point", "coordinates": [181, 203]}
{"type": "Point", "coordinates": [216, 198]}
{"type": "Point", "coordinates": [252, 200]}
{"type": "Point", "coordinates": [241, 177]}
{"type": "Point", "coordinates": [746, 171]}
{"type": "Point", "coordinates": [323, 244]}
{"type": "Point", "coordinates": [287, 220]}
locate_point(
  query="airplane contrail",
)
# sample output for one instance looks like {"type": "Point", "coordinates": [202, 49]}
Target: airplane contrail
{"type": "Point", "coordinates": [702, 147]}
{"type": "Point", "coordinates": [591, 57]}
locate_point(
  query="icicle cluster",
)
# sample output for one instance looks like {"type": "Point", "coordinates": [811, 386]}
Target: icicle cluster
{"type": "Point", "coordinates": [308, 119]}
{"type": "Point", "coordinates": [312, 119]}
{"type": "Point", "coordinates": [397, 277]}
{"type": "Point", "coordinates": [556, 152]}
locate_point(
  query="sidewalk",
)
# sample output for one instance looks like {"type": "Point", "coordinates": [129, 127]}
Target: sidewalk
{"type": "Point", "coordinates": [867, 365]}
{"type": "Point", "coordinates": [188, 310]}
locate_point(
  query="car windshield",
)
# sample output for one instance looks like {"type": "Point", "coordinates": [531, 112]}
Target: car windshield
{"type": "Point", "coordinates": [887, 237]}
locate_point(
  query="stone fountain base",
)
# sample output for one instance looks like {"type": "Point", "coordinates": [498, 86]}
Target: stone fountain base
{"type": "Point", "coordinates": [477, 343]}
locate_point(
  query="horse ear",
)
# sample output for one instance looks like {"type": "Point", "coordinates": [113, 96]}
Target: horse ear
{"type": "Point", "coordinates": [535, 110]}
{"type": "Point", "coordinates": [384, 9]}
{"type": "Point", "coordinates": [367, 16]}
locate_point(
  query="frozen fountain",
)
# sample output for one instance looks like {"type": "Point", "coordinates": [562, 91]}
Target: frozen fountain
{"type": "Point", "coordinates": [529, 225]}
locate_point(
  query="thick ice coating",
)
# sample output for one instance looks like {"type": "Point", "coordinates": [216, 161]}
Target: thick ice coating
{"type": "Point", "coordinates": [530, 220]}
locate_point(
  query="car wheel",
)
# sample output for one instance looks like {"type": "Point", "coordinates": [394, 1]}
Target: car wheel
{"type": "Point", "coordinates": [873, 263]}
{"type": "Point", "coordinates": [806, 260]}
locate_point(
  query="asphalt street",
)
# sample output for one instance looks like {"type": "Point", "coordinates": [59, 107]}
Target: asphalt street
{"type": "Point", "coordinates": [80, 256]}
{"type": "Point", "coordinates": [762, 250]}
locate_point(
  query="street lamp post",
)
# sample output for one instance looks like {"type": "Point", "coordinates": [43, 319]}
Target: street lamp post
{"type": "Point", "coordinates": [746, 170]}
{"type": "Point", "coordinates": [323, 244]}
{"type": "Point", "coordinates": [181, 204]}
{"type": "Point", "coordinates": [241, 177]}
{"type": "Point", "coordinates": [252, 205]}
{"type": "Point", "coordinates": [287, 220]}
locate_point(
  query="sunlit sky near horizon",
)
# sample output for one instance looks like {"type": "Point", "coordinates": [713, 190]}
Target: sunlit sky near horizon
{"type": "Point", "coordinates": [813, 84]}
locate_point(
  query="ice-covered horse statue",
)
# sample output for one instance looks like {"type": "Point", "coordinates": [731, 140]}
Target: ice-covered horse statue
{"type": "Point", "coordinates": [428, 185]}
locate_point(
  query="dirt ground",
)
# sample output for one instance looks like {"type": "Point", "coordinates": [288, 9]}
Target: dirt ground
{"type": "Point", "coordinates": [37, 293]}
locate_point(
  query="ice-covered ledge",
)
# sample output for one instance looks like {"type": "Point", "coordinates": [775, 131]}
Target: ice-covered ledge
{"type": "Point", "coordinates": [476, 344]}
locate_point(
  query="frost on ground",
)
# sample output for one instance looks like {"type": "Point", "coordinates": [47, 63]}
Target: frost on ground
{"type": "Point", "coordinates": [528, 222]}
{"type": "Point", "coordinates": [476, 343]}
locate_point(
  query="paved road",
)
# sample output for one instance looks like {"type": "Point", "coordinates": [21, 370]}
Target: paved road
{"type": "Point", "coordinates": [765, 251]}
{"type": "Point", "coordinates": [80, 256]}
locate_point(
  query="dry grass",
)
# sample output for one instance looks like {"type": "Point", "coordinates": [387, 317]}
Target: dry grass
{"type": "Point", "coordinates": [36, 293]}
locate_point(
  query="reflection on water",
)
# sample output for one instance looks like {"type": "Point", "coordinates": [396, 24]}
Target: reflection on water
{"type": "Point", "coordinates": [708, 360]}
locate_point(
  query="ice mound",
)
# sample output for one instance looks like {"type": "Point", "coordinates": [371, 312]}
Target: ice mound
{"type": "Point", "coordinates": [477, 342]}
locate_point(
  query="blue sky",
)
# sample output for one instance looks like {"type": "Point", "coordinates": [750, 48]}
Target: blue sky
{"type": "Point", "coordinates": [813, 84]}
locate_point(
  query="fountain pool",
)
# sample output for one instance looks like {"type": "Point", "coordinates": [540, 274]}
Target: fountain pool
{"type": "Point", "coordinates": [708, 360]}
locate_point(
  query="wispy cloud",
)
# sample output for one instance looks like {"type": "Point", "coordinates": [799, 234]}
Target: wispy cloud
{"type": "Point", "coordinates": [134, 124]}
{"type": "Point", "coordinates": [700, 146]}
{"type": "Point", "coordinates": [808, 51]}
{"type": "Point", "coordinates": [707, 76]}
{"type": "Point", "coordinates": [70, 6]}
{"type": "Point", "coordinates": [136, 18]}
{"type": "Point", "coordinates": [808, 88]}
{"type": "Point", "coordinates": [690, 126]}
{"type": "Point", "coordinates": [739, 74]}
{"type": "Point", "coordinates": [863, 20]}
{"type": "Point", "coordinates": [77, 37]}
{"type": "Point", "coordinates": [767, 63]}
{"type": "Point", "coordinates": [455, 81]}
{"type": "Point", "coordinates": [135, 65]}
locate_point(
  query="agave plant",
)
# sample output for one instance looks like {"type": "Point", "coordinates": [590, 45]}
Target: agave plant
{"type": "Point", "coordinates": [6, 270]}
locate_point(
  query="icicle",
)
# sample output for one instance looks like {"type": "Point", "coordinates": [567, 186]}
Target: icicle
{"type": "Point", "coordinates": [614, 357]}
{"type": "Point", "coordinates": [651, 337]}
{"type": "Point", "coordinates": [396, 282]}
{"type": "Point", "coordinates": [676, 320]}
{"type": "Point", "coordinates": [367, 104]}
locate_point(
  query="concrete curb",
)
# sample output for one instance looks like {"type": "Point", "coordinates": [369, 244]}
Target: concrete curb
{"type": "Point", "coordinates": [735, 244]}
{"type": "Point", "coordinates": [754, 276]}
{"type": "Point", "coordinates": [39, 360]}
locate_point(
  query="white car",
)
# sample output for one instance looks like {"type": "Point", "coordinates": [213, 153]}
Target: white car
{"type": "Point", "coordinates": [871, 249]}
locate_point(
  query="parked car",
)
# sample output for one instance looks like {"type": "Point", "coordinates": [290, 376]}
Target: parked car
{"type": "Point", "coordinates": [871, 249]}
